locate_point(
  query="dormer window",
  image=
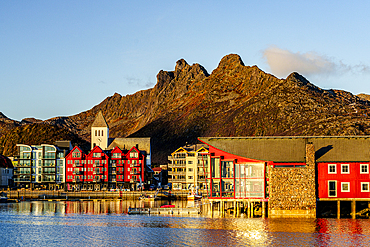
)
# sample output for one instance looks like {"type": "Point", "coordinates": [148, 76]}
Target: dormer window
{"type": "Point", "coordinates": [116, 155]}
{"type": "Point", "coordinates": [134, 154]}
{"type": "Point", "coordinates": [96, 155]}
{"type": "Point", "coordinates": [76, 154]}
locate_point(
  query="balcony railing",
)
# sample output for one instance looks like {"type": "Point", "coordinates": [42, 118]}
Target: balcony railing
{"type": "Point", "coordinates": [183, 180]}
{"type": "Point", "coordinates": [77, 165]}
{"type": "Point", "coordinates": [113, 171]}
{"type": "Point", "coordinates": [49, 172]}
{"type": "Point", "coordinates": [97, 164]}
{"type": "Point", "coordinates": [21, 172]}
{"type": "Point", "coordinates": [22, 179]}
{"type": "Point", "coordinates": [77, 172]}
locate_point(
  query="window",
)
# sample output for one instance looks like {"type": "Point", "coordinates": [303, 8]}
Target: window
{"type": "Point", "coordinates": [345, 168]}
{"type": "Point", "coordinates": [345, 186]}
{"type": "Point", "coordinates": [76, 154]}
{"type": "Point", "coordinates": [190, 177]}
{"type": "Point", "coordinates": [134, 154]}
{"type": "Point", "coordinates": [364, 186]}
{"type": "Point", "coordinates": [116, 155]}
{"type": "Point", "coordinates": [364, 168]}
{"type": "Point", "coordinates": [190, 169]}
{"type": "Point", "coordinates": [96, 155]}
{"type": "Point", "coordinates": [332, 188]}
{"type": "Point", "coordinates": [190, 162]}
{"type": "Point", "coordinates": [332, 168]}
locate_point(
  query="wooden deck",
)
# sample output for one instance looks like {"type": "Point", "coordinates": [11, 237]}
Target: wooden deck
{"type": "Point", "coordinates": [181, 211]}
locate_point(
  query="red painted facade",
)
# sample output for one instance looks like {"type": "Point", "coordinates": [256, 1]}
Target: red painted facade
{"type": "Point", "coordinates": [343, 180]}
{"type": "Point", "coordinates": [100, 166]}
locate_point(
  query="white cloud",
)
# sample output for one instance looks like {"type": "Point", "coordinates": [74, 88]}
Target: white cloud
{"type": "Point", "coordinates": [283, 62]}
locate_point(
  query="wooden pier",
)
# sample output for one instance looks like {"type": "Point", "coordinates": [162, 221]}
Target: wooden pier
{"type": "Point", "coordinates": [171, 211]}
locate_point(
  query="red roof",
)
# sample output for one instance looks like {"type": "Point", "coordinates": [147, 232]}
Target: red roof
{"type": "Point", "coordinates": [156, 169]}
{"type": "Point", "coordinates": [5, 162]}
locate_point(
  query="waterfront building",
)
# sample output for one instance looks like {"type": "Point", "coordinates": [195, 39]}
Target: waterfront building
{"type": "Point", "coordinates": [101, 169]}
{"type": "Point", "coordinates": [41, 166]}
{"type": "Point", "coordinates": [6, 172]}
{"type": "Point", "coordinates": [188, 166]}
{"type": "Point", "coordinates": [292, 173]}
{"type": "Point", "coordinates": [100, 137]}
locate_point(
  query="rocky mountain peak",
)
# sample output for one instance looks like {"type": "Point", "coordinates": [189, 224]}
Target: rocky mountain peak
{"type": "Point", "coordinates": [230, 61]}
{"type": "Point", "coordinates": [181, 64]}
{"type": "Point", "coordinates": [2, 115]}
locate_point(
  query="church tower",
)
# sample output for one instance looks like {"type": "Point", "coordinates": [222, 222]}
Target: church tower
{"type": "Point", "coordinates": [99, 132]}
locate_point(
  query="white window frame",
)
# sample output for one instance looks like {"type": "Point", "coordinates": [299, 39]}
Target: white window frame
{"type": "Point", "coordinates": [367, 168]}
{"type": "Point", "coordinates": [368, 188]}
{"type": "Point", "coordinates": [341, 187]}
{"type": "Point", "coordinates": [335, 168]}
{"type": "Point", "coordinates": [336, 188]}
{"type": "Point", "coordinates": [341, 168]}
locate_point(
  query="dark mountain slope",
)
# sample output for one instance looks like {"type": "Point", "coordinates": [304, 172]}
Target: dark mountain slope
{"type": "Point", "coordinates": [234, 100]}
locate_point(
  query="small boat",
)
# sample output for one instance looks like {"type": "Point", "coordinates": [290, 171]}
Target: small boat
{"type": "Point", "coordinates": [147, 198]}
{"type": "Point", "coordinates": [3, 197]}
{"type": "Point", "coordinates": [167, 206]}
{"type": "Point", "coordinates": [194, 197]}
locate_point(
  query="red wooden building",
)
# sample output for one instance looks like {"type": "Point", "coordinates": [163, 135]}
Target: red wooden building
{"type": "Point", "coordinates": [105, 169]}
{"type": "Point", "coordinates": [343, 180]}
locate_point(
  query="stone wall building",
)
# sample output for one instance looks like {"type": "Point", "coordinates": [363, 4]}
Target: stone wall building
{"type": "Point", "coordinates": [291, 165]}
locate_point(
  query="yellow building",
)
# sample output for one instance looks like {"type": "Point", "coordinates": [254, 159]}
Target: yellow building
{"type": "Point", "coordinates": [187, 167]}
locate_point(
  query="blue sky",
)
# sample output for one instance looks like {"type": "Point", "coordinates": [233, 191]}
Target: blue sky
{"type": "Point", "coordinates": [59, 58]}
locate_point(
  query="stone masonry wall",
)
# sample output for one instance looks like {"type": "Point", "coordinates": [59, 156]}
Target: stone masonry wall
{"type": "Point", "coordinates": [292, 190]}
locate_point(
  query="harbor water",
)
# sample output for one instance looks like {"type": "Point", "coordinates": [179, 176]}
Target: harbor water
{"type": "Point", "coordinates": [106, 223]}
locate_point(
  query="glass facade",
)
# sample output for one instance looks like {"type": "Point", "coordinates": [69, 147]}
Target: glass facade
{"type": "Point", "coordinates": [229, 179]}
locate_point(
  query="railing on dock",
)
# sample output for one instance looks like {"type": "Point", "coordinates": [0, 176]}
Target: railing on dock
{"type": "Point", "coordinates": [192, 210]}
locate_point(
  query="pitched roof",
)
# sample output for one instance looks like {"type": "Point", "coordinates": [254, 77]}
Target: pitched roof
{"type": "Point", "coordinates": [99, 121]}
{"type": "Point", "coordinates": [5, 162]}
{"type": "Point", "coordinates": [292, 148]}
{"type": "Point", "coordinates": [142, 143]}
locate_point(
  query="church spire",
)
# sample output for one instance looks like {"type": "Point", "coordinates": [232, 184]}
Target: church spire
{"type": "Point", "coordinates": [100, 121]}
{"type": "Point", "coordinates": [99, 132]}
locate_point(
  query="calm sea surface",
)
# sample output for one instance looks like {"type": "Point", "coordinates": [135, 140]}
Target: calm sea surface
{"type": "Point", "coordinates": [106, 223]}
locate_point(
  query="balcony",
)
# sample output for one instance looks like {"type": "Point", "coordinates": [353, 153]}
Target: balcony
{"type": "Point", "coordinates": [97, 164]}
{"type": "Point", "coordinates": [120, 172]}
{"type": "Point", "coordinates": [114, 180]}
{"type": "Point", "coordinates": [77, 165]}
{"type": "Point", "coordinates": [21, 172]}
{"type": "Point", "coordinates": [113, 164]}
{"type": "Point", "coordinates": [113, 171]}
{"type": "Point", "coordinates": [97, 172]}
{"type": "Point", "coordinates": [174, 180]}
{"type": "Point", "coordinates": [177, 165]}
{"type": "Point", "coordinates": [22, 179]}
{"type": "Point", "coordinates": [97, 180]}
{"type": "Point", "coordinates": [77, 172]}
{"type": "Point", "coordinates": [48, 172]}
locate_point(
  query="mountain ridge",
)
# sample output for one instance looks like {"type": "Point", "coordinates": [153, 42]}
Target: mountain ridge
{"type": "Point", "coordinates": [234, 100]}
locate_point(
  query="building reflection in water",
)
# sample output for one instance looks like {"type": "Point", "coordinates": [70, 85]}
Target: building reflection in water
{"type": "Point", "coordinates": [195, 229]}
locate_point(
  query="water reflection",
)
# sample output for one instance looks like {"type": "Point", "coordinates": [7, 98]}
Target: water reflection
{"type": "Point", "coordinates": [105, 223]}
